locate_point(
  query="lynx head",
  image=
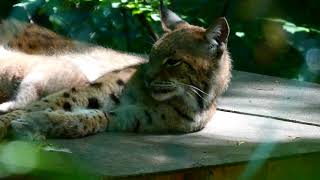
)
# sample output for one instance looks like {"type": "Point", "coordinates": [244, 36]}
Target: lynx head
{"type": "Point", "coordinates": [188, 61]}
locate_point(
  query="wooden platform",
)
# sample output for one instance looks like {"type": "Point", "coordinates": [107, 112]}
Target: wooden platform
{"type": "Point", "coordinates": [266, 128]}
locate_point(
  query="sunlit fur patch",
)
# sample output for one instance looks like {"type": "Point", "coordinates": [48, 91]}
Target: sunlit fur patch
{"type": "Point", "coordinates": [163, 96]}
{"type": "Point", "coordinates": [162, 90]}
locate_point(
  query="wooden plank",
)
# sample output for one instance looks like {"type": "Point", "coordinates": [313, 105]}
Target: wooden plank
{"type": "Point", "coordinates": [237, 127]}
{"type": "Point", "coordinates": [293, 168]}
{"type": "Point", "coordinates": [229, 138]}
{"type": "Point", "coordinates": [274, 97]}
{"type": "Point", "coordinates": [301, 167]}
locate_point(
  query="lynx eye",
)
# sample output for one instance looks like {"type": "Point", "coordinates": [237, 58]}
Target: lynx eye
{"type": "Point", "coordinates": [172, 62]}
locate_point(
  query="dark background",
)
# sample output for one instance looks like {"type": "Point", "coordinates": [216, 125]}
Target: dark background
{"type": "Point", "coordinates": [278, 38]}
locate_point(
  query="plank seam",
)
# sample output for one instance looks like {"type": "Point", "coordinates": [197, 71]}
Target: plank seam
{"type": "Point", "coordinates": [270, 117]}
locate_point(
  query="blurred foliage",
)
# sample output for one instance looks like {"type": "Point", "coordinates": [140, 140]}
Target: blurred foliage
{"type": "Point", "coordinates": [268, 37]}
{"type": "Point", "coordinates": [30, 160]}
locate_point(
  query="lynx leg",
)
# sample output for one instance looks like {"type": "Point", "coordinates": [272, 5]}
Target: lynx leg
{"type": "Point", "coordinates": [27, 93]}
{"type": "Point", "coordinates": [41, 124]}
{"type": "Point", "coordinates": [4, 96]}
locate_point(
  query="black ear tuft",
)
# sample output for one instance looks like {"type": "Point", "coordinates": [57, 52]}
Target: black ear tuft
{"type": "Point", "coordinates": [169, 20]}
{"type": "Point", "coordinates": [219, 31]}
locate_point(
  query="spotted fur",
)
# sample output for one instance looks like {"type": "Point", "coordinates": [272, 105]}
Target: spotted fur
{"type": "Point", "coordinates": [175, 92]}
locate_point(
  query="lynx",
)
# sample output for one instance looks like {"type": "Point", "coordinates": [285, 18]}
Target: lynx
{"type": "Point", "coordinates": [175, 92]}
{"type": "Point", "coordinates": [35, 62]}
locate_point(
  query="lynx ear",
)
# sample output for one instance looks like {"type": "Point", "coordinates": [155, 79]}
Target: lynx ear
{"type": "Point", "coordinates": [219, 31]}
{"type": "Point", "coordinates": [169, 20]}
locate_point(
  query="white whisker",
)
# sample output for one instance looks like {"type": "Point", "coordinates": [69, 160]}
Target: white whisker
{"type": "Point", "coordinates": [199, 95]}
{"type": "Point", "coordinates": [193, 87]}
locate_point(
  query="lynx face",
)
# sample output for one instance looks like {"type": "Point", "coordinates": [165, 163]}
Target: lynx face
{"type": "Point", "coordinates": [186, 61]}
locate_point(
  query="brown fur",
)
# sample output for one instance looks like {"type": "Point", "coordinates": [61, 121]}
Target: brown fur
{"type": "Point", "coordinates": [34, 39]}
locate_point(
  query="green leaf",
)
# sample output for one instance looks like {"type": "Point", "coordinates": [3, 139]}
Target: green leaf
{"type": "Point", "coordinates": [155, 17]}
{"type": "Point", "coordinates": [115, 5]}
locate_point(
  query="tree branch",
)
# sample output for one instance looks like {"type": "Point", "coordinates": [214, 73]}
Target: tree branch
{"type": "Point", "coordinates": [146, 24]}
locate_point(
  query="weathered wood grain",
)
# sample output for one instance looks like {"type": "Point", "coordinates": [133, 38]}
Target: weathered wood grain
{"type": "Point", "coordinates": [275, 97]}
{"type": "Point", "coordinates": [230, 138]}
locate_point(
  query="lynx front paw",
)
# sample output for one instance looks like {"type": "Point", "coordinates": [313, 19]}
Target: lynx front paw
{"type": "Point", "coordinates": [6, 107]}
{"type": "Point", "coordinates": [33, 126]}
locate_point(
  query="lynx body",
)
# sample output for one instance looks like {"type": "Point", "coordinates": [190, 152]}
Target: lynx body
{"type": "Point", "coordinates": [175, 92]}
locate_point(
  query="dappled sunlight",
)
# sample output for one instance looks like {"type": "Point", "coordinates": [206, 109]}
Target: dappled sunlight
{"type": "Point", "coordinates": [273, 97]}
{"type": "Point", "coordinates": [272, 112]}
{"type": "Point", "coordinates": [239, 127]}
